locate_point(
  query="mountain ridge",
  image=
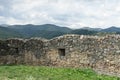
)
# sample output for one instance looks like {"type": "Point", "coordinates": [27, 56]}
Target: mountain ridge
{"type": "Point", "coordinates": [48, 31]}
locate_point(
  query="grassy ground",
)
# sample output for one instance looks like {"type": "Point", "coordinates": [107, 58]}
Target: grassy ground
{"type": "Point", "coordinates": [48, 73]}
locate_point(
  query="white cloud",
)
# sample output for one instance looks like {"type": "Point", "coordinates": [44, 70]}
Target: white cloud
{"type": "Point", "coordinates": [71, 13]}
{"type": "Point", "coordinates": [11, 21]}
{"type": "Point", "coordinates": [1, 8]}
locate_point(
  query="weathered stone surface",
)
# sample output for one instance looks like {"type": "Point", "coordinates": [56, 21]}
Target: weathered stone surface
{"type": "Point", "coordinates": [100, 53]}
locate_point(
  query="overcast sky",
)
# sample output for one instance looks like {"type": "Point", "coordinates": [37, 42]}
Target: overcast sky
{"type": "Point", "coordinates": [70, 13]}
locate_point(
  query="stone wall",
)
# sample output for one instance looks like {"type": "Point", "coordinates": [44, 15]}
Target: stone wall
{"type": "Point", "coordinates": [99, 53]}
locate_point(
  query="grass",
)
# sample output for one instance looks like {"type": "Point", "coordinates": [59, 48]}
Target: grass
{"type": "Point", "coordinates": [49, 73]}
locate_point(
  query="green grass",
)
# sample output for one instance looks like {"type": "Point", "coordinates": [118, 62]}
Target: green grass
{"type": "Point", "coordinates": [49, 73]}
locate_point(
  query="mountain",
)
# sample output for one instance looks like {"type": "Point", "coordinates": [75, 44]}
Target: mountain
{"type": "Point", "coordinates": [111, 29]}
{"type": "Point", "coordinates": [45, 27]}
{"type": "Point", "coordinates": [83, 32]}
{"type": "Point", "coordinates": [91, 29]}
{"type": "Point", "coordinates": [8, 33]}
{"type": "Point", "coordinates": [48, 31]}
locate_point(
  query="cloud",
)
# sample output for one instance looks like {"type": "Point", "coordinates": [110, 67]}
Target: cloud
{"type": "Point", "coordinates": [71, 13]}
{"type": "Point", "coordinates": [1, 8]}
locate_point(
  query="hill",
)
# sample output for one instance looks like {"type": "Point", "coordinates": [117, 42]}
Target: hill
{"type": "Point", "coordinates": [46, 31]}
{"type": "Point", "coordinates": [91, 29]}
{"type": "Point", "coordinates": [8, 33]}
{"type": "Point", "coordinates": [49, 31]}
{"type": "Point", "coordinates": [26, 31]}
{"type": "Point", "coordinates": [83, 32]}
{"type": "Point", "coordinates": [111, 29]}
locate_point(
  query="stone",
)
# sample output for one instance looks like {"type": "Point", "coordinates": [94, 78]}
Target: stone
{"type": "Point", "coordinates": [98, 53]}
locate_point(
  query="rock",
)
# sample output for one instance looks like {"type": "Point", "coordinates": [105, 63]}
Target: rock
{"type": "Point", "coordinates": [66, 51]}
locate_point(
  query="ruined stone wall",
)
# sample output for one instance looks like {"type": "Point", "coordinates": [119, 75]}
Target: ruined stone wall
{"type": "Point", "coordinates": [100, 53]}
{"type": "Point", "coordinates": [22, 51]}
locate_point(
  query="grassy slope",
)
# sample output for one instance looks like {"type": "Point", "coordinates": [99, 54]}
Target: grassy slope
{"type": "Point", "coordinates": [47, 73]}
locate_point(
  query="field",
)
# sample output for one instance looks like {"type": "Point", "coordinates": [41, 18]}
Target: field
{"type": "Point", "coordinates": [49, 73]}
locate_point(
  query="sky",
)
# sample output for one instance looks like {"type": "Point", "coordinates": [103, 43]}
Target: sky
{"type": "Point", "coordinates": [67, 13]}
